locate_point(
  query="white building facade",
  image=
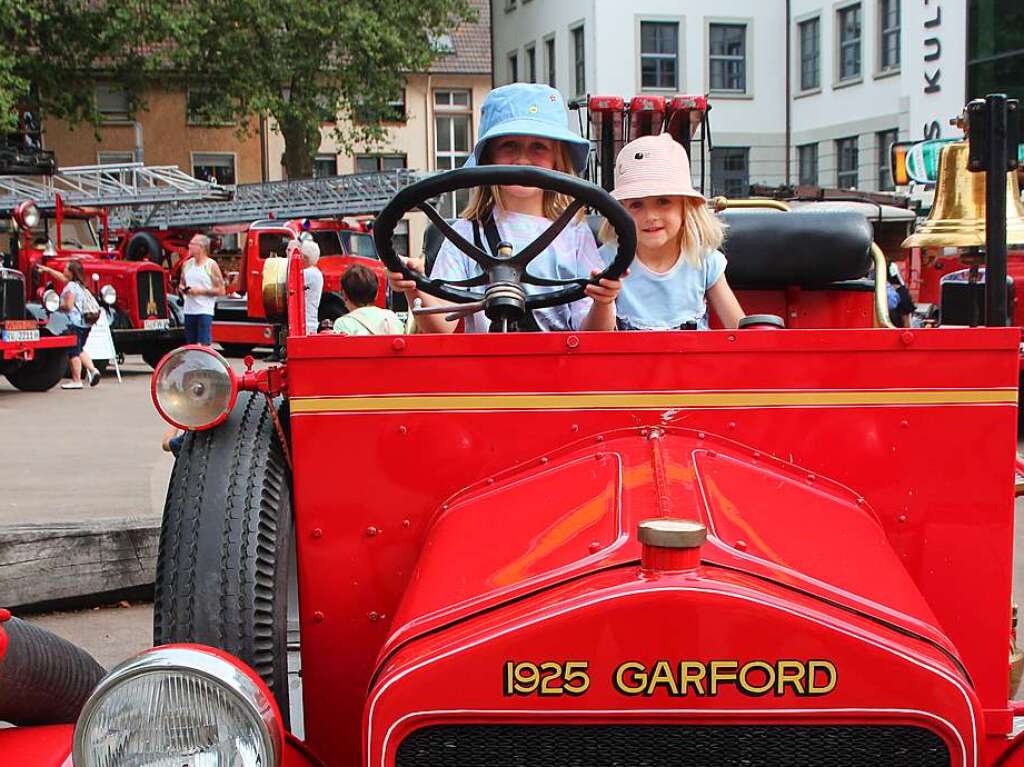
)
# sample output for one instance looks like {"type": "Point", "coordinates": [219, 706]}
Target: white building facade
{"type": "Point", "coordinates": [802, 91]}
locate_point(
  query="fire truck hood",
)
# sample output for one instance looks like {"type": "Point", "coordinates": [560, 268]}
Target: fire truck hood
{"type": "Point", "coordinates": [573, 513]}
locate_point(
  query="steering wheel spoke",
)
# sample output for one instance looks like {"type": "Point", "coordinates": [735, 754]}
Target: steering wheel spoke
{"type": "Point", "coordinates": [460, 242]}
{"type": "Point", "coordinates": [535, 248]}
{"type": "Point", "coordinates": [531, 279]}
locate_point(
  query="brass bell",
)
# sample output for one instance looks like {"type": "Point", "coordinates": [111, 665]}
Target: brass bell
{"type": "Point", "coordinates": [957, 217]}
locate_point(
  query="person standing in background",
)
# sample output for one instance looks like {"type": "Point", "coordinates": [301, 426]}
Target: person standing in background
{"type": "Point", "coordinates": [313, 280]}
{"type": "Point", "coordinates": [201, 283]}
{"type": "Point", "coordinates": [73, 300]}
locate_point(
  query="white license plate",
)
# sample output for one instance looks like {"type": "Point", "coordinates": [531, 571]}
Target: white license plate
{"type": "Point", "coordinates": [156, 324]}
{"type": "Point", "coordinates": [20, 335]}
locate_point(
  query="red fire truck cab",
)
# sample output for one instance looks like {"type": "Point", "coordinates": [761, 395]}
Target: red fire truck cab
{"type": "Point", "coordinates": [241, 323]}
{"type": "Point", "coordinates": [145, 318]}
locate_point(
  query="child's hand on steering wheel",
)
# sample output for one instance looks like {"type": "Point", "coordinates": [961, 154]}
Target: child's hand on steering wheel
{"type": "Point", "coordinates": [397, 280]}
{"type": "Point", "coordinates": [606, 291]}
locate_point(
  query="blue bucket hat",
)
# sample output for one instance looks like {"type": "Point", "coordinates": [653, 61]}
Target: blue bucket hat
{"type": "Point", "coordinates": [527, 109]}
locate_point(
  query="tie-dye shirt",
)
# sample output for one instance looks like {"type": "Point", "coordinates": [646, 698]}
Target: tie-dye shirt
{"type": "Point", "coordinates": [572, 255]}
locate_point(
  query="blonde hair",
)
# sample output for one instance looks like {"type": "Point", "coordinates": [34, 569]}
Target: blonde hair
{"type": "Point", "coordinates": [701, 232]}
{"type": "Point", "coordinates": [484, 198]}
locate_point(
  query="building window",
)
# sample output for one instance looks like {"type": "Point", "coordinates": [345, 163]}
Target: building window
{"type": "Point", "coordinates": [531, 64]}
{"type": "Point", "coordinates": [848, 22]}
{"type": "Point", "coordinates": [846, 169]}
{"type": "Point", "coordinates": [807, 163]}
{"type": "Point", "coordinates": [112, 103]}
{"type": "Point", "coordinates": [453, 139]}
{"type": "Point", "coordinates": [730, 171]}
{"type": "Point", "coordinates": [728, 46]}
{"type": "Point", "coordinates": [513, 67]}
{"type": "Point", "coordinates": [114, 158]}
{"type": "Point", "coordinates": [886, 139]}
{"type": "Point", "coordinates": [889, 25]}
{"type": "Point", "coordinates": [659, 54]}
{"type": "Point", "coordinates": [374, 163]}
{"type": "Point", "coordinates": [549, 60]}
{"type": "Point", "coordinates": [579, 61]}
{"type": "Point", "coordinates": [394, 111]}
{"type": "Point", "coordinates": [325, 165]}
{"type": "Point", "coordinates": [810, 54]}
{"type": "Point", "coordinates": [219, 168]}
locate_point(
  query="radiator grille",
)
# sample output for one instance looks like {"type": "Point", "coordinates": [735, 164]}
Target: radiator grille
{"type": "Point", "coordinates": [671, 746]}
{"type": "Point", "coordinates": [152, 298]}
{"type": "Point", "coordinates": [12, 295]}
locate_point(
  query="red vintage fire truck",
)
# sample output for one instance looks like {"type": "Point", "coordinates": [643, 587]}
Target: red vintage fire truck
{"type": "Point", "coordinates": [71, 215]}
{"type": "Point", "coordinates": [240, 322]}
{"type": "Point", "coordinates": [649, 548]}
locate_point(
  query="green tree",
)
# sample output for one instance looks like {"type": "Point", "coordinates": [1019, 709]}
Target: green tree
{"type": "Point", "coordinates": [305, 61]}
{"type": "Point", "coordinates": [55, 52]}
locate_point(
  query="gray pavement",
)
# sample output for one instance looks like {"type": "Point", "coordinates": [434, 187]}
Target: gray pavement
{"type": "Point", "coordinates": [83, 455]}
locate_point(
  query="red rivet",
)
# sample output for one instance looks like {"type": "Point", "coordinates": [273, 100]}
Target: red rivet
{"type": "Point", "coordinates": [444, 507]}
{"type": "Point", "coordinates": [574, 428]}
{"type": "Point", "coordinates": [406, 523]}
{"type": "Point", "coordinates": [907, 337]}
{"type": "Point", "coordinates": [318, 617]}
{"type": "Point", "coordinates": [740, 545]}
{"type": "Point", "coordinates": [644, 432]}
{"type": "Point", "coordinates": [811, 477]}
{"type": "Point", "coordinates": [544, 459]}
{"type": "Point", "coordinates": [595, 547]}
{"type": "Point", "coordinates": [904, 424]}
{"type": "Point", "coordinates": [374, 616]}
{"type": "Point", "coordinates": [901, 518]}
{"type": "Point", "coordinates": [732, 338]}
{"type": "Point", "coordinates": [398, 344]}
{"type": "Point", "coordinates": [572, 342]}
{"type": "Point", "coordinates": [600, 438]}
{"type": "Point", "coordinates": [756, 455]}
{"type": "Point", "coordinates": [700, 435]}
{"type": "Point", "coordinates": [402, 430]}
{"type": "Point", "coordinates": [732, 425]}
{"type": "Point", "coordinates": [317, 532]}
{"type": "Point", "coordinates": [860, 501]}
{"type": "Point", "coordinates": [5, 615]}
{"type": "Point", "coordinates": [371, 531]}
{"type": "Point", "coordinates": [490, 480]}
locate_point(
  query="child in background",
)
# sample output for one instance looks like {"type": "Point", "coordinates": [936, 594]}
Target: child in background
{"type": "Point", "coordinates": [524, 124]}
{"type": "Point", "coordinates": [358, 291]}
{"type": "Point", "coordinates": [678, 268]}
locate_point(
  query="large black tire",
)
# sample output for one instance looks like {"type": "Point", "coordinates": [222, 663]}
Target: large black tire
{"type": "Point", "coordinates": [42, 373]}
{"type": "Point", "coordinates": [222, 566]}
{"type": "Point", "coordinates": [144, 245]}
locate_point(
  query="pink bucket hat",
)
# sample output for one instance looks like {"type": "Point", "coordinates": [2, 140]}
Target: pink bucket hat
{"type": "Point", "coordinates": [653, 166]}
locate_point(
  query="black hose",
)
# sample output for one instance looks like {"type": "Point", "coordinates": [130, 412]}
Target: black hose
{"type": "Point", "coordinates": [43, 679]}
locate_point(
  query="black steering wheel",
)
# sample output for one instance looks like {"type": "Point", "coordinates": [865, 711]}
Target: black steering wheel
{"type": "Point", "coordinates": [505, 273]}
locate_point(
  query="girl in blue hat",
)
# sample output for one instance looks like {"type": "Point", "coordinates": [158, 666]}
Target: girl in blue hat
{"type": "Point", "coordinates": [524, 124]}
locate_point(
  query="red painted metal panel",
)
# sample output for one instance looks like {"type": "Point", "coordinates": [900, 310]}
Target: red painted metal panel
{"type": "Point", "coordinates": [810, 308]}
{"type": "Point", "coordinates": [260, 333]}
{"type": "Point", "coordinates": [862, 672]}
{"type": "Point", "coordinates": [36, 746]}
{"type": "Point", "coordinates": [873, 410]}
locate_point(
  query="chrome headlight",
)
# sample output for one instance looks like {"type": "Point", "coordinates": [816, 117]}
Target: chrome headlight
{"type": "Point", "coordinates": [27, 214]}
{"type": "Point", "coordinates": [51, 301]}
{"type": "Point", "coordinates": [108, 294]}
{"type": "Point", "coordinates": [179, 705]}
{"type": "Point", "coordinates": [194, 387]}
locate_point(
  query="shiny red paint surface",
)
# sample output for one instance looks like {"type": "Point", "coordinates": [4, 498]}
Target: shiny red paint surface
{"type": "Point", "coordinates": [803, 308]}
{"type": "Point", "coordinates": [374, 539]}
{"type": "Point", "coordinates": [47, 746]}
{"type": "Point", "coordinates": [256, 333]}
{"type": "Point", "coordinates": [621, 617]}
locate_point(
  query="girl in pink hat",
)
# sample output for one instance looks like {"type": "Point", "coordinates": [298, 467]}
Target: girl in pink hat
{"type": "Point", "coordinates": [678, 268]}
{"type": "Point", "coordinates": [523, 124]}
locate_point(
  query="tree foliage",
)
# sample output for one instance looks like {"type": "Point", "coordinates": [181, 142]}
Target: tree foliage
{"type": "Point", "coordinates": [299, 61]}
{"type": "Point", "coordinates": [304, 61]}
{"type": "Point", "coordinates": [56, 51]}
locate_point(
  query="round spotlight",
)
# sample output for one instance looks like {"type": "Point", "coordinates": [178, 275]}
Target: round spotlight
{"type": "Point", "coordinates": [108, 294]}
{"type": "Point", "coordinates": [179, 705]}
{"type": "Point", "coordinates": [194, 388]}
{"type": "Point", "coordinates": [51, 301]}
{"type": "Point", "coordinates": [27, 214]}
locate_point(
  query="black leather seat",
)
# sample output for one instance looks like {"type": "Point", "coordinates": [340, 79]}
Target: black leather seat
{"type": "Point", "coordinates": [771, 249]}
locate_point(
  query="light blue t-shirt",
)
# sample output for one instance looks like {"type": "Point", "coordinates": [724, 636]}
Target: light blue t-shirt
{"type": "Point", "coordinates": [665, 300]}
{"type": "Point", "coordinates": [573, 254]}
{"type": "Point", "coordinates": [75, 315]}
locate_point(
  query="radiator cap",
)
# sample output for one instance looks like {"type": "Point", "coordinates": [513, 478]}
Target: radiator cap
{"type": "Point", "coordinates": [669, 533]}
